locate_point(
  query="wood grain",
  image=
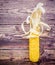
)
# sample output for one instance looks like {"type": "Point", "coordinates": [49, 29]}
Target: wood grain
{"type": "Point", "coordinates": [12, 14]}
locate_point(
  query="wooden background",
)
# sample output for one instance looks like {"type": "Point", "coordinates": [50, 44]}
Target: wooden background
{"type": "Point", "coordinates": [12, 14]}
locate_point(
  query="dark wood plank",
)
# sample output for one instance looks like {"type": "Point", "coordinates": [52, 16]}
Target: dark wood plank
{"type": "Point", "coordinates": [14, 15]}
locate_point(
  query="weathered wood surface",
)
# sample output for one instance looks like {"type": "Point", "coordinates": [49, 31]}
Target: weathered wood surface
{"type": "Point", "coordinates": [12, 14]}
